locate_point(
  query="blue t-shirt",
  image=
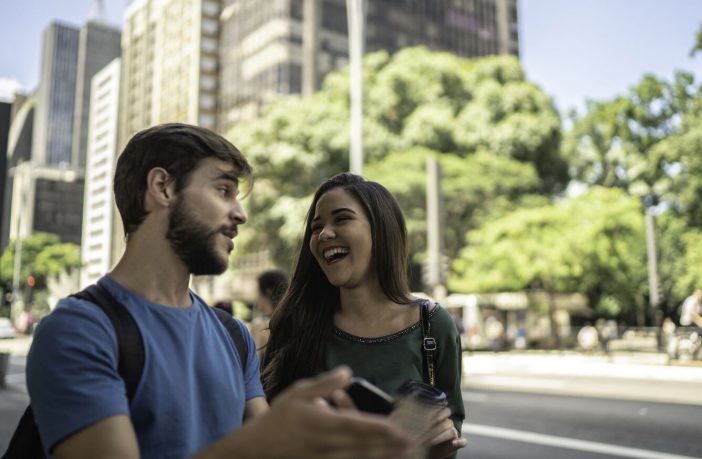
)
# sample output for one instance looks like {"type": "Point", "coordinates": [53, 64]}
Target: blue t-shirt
{"type": "Point", "coordinates": [192, 390]}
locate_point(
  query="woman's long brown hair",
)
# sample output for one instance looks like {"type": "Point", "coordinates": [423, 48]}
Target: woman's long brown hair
{"type": "Point", "coordinates": [303, 321]}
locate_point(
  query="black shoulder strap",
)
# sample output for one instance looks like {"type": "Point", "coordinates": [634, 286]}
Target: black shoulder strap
{"type": "Point", "coordinates": [428, 344]}
{"type": "Point", "coordinates": [129, 340]}
{"type": "Point", "coordinates": [235, 332]}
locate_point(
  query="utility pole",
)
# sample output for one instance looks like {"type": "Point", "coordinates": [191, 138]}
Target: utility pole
{"type": "Point", "coordinates": [435, 277]}
{"type": "Point", "coordinates": [356, 12]}
{"type": "Point", "coordinates": [310, 45]}
{"type": "Point", "coordinates": [653, 282]}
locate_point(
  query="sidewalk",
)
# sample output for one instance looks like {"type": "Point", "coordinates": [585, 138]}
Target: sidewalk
{"type": "Point", "coordinates": [622, 375]}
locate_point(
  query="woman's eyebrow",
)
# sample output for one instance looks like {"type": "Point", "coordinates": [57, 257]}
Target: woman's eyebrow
{"type": "Point", "coordinates": [336, 211]}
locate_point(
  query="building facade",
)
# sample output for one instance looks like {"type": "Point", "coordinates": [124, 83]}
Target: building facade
{"type": "Point", "coordinates": [98, 44]}
{"type": "Point", "coordinates": [169, 64]}
{"type": "Point", "coordinates": [53, 120]}
{"type": "Point", "coordinates": [99, 208]}
{"type": "Point", "coordinates": [272, 47]}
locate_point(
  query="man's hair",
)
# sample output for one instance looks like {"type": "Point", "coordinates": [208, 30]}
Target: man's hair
{"type": "Point", "coordinates": [176, 147]}
{"type": "Point", "coordinates": [273, 284]}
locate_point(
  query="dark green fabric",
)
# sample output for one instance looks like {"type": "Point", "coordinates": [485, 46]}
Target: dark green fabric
{"type": "Point", "coordinates": [389, 361]}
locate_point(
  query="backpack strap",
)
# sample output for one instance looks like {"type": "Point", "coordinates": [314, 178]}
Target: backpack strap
{"type": "Point", "coordinates": [130, 344]}
{"type": "Point", "coordinates": [428, 344]}
{"type": "Point", "coordinates": [25, 442]}
{"type": "Point", "coordinates": [237, 335]}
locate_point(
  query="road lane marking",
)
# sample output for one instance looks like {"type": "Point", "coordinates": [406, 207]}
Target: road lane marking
{"type": "Point", "coordinates": [568, 443]}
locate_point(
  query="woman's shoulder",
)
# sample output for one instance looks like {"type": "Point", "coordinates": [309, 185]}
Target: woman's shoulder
{"type": "Point", "coordinates": [440, 318]}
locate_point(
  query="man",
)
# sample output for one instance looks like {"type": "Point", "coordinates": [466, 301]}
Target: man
{"type": "Point", "coordinates": [272, 285]}
{"type": "Point", "coordinates": [176, 188]}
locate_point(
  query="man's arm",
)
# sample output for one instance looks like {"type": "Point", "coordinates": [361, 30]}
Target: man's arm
{"type": "Point", "coordinates": [112, 438]}
{"type": "Point", "coordinates": [255, 407]}
{"type": "Point", "coordinates": [301, 425]}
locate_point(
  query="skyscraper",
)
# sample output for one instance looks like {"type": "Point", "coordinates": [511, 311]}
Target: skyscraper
{"type": "Point", "coordinates": [266, 46]}
{"type": "Point", "coordinates": [53, 120]}
{"type": "Point", "coordinates": [169, 64]}
{"type": "Point", "coordinates": [98, 209]}
{"type": "Point", "coordinates": [98, 44]}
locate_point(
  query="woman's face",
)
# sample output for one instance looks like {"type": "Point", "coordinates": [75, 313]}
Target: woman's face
{"type": "Point", "coordinates": [341, 239]}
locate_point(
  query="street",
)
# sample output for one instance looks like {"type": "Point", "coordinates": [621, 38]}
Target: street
{"type": "Point", "coordinates": [542, 410]}
{"type": "Point", "coordinates": [511, 425]}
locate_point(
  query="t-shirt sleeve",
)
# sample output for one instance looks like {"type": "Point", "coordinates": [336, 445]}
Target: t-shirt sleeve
{"type": "Point", "coordinates": [449, 363]}
{"type": "Point", "coordinates": [72, 376]}
{"type": "Point", "coordinates": [252, 375]}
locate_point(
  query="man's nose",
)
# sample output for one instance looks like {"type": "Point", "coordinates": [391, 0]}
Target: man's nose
{"type": "Point", "coordinates": [238, 214]}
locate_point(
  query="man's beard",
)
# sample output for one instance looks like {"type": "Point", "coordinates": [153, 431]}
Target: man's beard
{"type": "Point", "coordinates": [194, 242]}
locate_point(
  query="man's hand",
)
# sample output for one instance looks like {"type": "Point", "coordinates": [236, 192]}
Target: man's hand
{"type": "Point", "coordinates": [302, 425]}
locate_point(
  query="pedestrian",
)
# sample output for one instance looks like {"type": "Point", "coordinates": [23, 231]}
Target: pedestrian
{"type": "Point", "coordinates": [349, 303]}
{"type": "Point", "coordinates": [177, 188]}
{"type": "Point", "coordinates": [691, 310]}
{"type": "Point", "coordinates": [272, 284]}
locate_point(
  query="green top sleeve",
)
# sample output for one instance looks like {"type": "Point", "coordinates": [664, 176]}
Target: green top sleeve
{"type": "Point", "coordinates": [389, 361]}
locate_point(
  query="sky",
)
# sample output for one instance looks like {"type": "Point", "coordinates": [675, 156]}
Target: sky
{"type": "Point", "coordinates": [574, 50]}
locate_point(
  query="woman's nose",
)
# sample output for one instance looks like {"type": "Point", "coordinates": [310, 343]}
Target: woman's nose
{"type": "Point", "coordinates": [326, 233]}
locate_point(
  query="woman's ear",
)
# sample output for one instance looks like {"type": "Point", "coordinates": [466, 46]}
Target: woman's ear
{"type": "Point", "coordinates": [160, 187]}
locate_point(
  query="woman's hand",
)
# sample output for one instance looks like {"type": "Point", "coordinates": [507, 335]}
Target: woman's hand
{"type": "Point", "coordinates": [443, 439]}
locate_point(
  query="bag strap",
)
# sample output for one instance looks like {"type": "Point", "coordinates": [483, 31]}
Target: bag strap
{"type": "Point", "coordinates": [237, 335]}
{"type": "Point", "coordinates": [25, 442]}
{"type": "Point", "coordinates": [428, 344]}
{"type": "Point", "coordinates": [130, 343]}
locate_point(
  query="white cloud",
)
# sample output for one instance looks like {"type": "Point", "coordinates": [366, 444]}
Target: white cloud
{"type": "Point", "coordinates": [8, 87]}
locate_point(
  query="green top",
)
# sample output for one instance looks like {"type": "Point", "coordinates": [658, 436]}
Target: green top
{"type": "Point", "coordinates": [389, 361]}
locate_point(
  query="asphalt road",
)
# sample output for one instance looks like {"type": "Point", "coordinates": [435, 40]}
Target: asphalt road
{"type": "Point", "coordinates": [528, 425]}
{"type": "Point", "coordinates": [511, 425]}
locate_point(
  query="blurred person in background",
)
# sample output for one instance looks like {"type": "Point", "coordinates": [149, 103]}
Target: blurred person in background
{"type": "Point", "coordinates": [691, 310]}
{"type": "Point", "coordinates": [272, 284]}
{"type": "Point", "coordinates": [349, 303]}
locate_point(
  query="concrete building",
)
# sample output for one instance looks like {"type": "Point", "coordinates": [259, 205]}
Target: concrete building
{"type": "Point", "coordinates": [53, 121]}
{"type": "Point", "coordinates": [277, 47]}
{"type": "Point", "coordinates": [5, 119]}
{"type": "Point", "coordinates": [19, 149]}
{"type": "Point", "coordinates": [169, 64]}
{"type": "Point", "coordinates": [98, 208]}
{"type": "Point", "coordinates": [98, 44]}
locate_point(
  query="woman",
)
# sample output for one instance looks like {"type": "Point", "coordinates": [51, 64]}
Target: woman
{"type": "Point", "coordinates": [349, 303]}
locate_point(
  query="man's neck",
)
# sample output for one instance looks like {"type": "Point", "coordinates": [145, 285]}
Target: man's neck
{"type": "Point", "coordinates": [152, 270]}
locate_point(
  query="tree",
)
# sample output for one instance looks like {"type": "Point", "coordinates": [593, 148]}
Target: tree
{"type": "Point", "coordinates": [43, 255]}
{"type": "Point", "coordinates": [593, 244]}
{"type": "Point", "coordinates": [624, 143]}
{"type": "Point", "coordinates": [496, 134]}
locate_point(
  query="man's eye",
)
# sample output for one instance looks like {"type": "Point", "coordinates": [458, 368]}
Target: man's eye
{"type": "Point", "coordinates": [223, 190]}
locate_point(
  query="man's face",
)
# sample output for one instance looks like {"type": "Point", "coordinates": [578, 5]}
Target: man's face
{"type": "Point", "coordinates": [203, 221]}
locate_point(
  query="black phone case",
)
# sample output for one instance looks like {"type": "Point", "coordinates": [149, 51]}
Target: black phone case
{"type": "Point", "coordinates": [368, 397]}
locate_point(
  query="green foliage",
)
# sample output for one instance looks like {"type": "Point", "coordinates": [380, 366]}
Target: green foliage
{"type": "Point", "coordinates": [495, 134]}
{"type": "Point", "coordinates": [634, 141]}
{"type": "Point", "coordinates": [593, 244]}
{"type": "Point", "coordinates": [43, 255]}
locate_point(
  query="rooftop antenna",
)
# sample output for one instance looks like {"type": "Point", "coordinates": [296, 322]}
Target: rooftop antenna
{"type": "Point", "coordinates": [97, 12]}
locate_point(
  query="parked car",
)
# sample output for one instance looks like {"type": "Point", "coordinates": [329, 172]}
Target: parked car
{"type": "Point", "coordinates": [6, 329]}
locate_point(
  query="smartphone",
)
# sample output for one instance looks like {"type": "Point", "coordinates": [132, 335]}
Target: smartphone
{"type": "Point", "coordinates": [368, 397]}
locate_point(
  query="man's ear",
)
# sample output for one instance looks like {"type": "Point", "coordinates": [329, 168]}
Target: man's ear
{"type": "Point", "coordinates": [160, 187]}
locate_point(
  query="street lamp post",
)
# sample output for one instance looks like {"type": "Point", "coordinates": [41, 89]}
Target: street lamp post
{"type": "Point", "coordinates": [356, 12]}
